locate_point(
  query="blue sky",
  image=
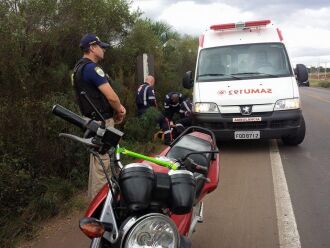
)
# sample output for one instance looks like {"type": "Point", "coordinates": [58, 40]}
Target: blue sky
{"type": "Point", "coordinates": [305, 24]}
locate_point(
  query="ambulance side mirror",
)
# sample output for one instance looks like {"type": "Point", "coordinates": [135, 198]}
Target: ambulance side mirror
{"type": "Point", "coordinates": [187, 81]}
{"type": "Point", "coordinates": [301, 73]}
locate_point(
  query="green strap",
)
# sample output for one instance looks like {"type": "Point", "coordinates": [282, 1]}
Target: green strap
{"type": "Point", "coordinates": [167, 164]}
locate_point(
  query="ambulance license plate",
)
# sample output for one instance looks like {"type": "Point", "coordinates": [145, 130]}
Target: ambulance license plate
{"type": "Point", "coordinates": [247, 135]}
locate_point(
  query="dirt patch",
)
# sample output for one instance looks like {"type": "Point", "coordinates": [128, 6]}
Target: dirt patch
{"type": "Point", "coordinates": [62, 231]}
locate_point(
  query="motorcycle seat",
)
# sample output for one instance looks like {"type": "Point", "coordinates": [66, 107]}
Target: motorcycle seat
{"type": "Point", "coordinates": [190, 143]}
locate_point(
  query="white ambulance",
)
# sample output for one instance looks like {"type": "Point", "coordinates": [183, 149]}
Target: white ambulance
{"type": "Point", "coordinates": [244, 86]}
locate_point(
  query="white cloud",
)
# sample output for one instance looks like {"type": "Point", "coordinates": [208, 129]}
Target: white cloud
{"type": "Point", "coordinates": [306, 31]}
{"type": "Point", "coordinates": [191, 18]}
{"type": "Point", "coordinates": [150, 8]}
{"type": "Point", "coordinates": [307, 35]}
{"type": "Point", "coordinates": [314, 18]}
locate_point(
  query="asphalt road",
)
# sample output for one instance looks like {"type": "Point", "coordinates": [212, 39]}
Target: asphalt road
{"type": "Point", "coordinates": [307, 170]}
{"type": "Point", "coordinates": [242, 212]}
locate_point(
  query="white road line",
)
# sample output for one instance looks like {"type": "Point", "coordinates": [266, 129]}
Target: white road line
{"type": "Point", "coordinates": [286, 222]}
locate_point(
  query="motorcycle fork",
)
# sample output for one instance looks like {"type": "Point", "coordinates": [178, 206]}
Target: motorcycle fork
{"type": "Point", "coordinates": [107, 216]}
{"type": "Point", "coordinates": [197, 217]}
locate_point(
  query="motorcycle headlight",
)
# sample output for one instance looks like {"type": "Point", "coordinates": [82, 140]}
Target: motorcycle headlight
{"type": "Point", "coordinates": [286, 104]}
{"type": "Point", "coordinates": [206, 107]}
{"type": "Point", "coordinates": [153, 231]}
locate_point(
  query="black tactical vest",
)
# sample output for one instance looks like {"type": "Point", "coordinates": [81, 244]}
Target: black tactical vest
{"type": "Point", "coordinates": [94, 94]}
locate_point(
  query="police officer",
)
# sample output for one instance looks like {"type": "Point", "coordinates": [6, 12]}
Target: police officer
{"type": "Point", "coordinates": [145, 98]}
{"type": "Point", "coordinates": [172, 104]}
{"type": "Point", "coordinates": [89, 77]}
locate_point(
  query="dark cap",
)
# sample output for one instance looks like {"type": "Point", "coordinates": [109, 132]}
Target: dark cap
{"type": "Point", "coordinates": [90, 39]}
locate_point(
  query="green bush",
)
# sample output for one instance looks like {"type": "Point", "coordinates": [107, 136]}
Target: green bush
{"type": "Point", "coordinates": [39, 170]}
{"type": "Point", "coordinates": [320, 83]}
{"type": "Point", "coordinates": [53, 193]}
{"type": "Point", "coordinates": [324, 84]}
{"type": "Point", "coordinates": [142, 129]}
{"type": "Point", "coordinates": [24, 201]}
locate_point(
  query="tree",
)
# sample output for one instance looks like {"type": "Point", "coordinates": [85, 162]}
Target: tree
{"type": "Point", "coordinates": [38, 48]}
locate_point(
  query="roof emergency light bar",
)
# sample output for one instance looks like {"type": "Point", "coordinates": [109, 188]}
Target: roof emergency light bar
{"type": "Point", "coordinates": [240, 25]}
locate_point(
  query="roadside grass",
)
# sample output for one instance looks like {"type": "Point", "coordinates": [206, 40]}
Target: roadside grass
{"type": "Point", "coordinates": [320, 83]}
{"type": "Point", "coordinates": [60, 198]}
{"type": "Point", "coordinates": [76, 203]}
{"type": "Point", "coordinates": [319, 80]}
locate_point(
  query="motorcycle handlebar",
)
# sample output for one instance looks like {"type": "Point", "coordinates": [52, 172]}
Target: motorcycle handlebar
{"type": "Point", "coordinates": [105, 138]}
{"type": "Point", "coordinates": [69, 116]}
{"type": "Point", "coordinates": [112, 136]}
{"type": "Point", "coordinates": [83, 123]}
{"type": "Point", "coordinates": [194, 167]}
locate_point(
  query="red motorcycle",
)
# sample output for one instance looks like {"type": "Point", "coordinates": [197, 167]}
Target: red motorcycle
{"type": "Point", "coordinates": [155, 202]}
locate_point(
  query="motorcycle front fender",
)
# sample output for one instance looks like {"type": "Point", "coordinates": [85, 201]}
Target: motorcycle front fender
{"type": "Point", "coordinates": [101, 209]}
{"type": "Point", "coordinates": [182, 222]}
{"type": "Point", "coordinates": [97, 201]}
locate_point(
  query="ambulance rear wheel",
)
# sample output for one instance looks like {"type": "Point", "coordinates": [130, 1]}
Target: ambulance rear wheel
{"type": "Point", "coordinates": [298, 137]}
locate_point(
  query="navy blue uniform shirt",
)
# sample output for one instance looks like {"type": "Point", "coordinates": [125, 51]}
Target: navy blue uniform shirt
{"type": "Point", "coordinates": [94, 74]}
{"type": "Point", "coordinates": [145, 98]}
{"type": "Point", "coordinates": [186, 108]}
{"type": "Point", "coordinates": [170, 106]}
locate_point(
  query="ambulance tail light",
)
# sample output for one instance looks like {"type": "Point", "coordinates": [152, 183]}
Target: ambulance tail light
{"type": "Point", "coordinates": [240, 25]}
{"type": "Point", "coordinates": [279, 32]}
{"type": "Point", "coordinates": [201, 41]}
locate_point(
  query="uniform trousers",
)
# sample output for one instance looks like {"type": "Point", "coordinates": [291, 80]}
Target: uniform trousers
{"type": "Point", "coordinates": [97, 178]}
